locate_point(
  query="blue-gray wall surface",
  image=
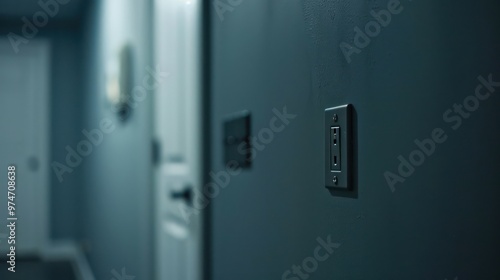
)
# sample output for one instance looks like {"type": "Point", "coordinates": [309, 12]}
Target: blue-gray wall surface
{"type": "Point", "coordinates": [65, 120]}
{"type": "Point", "coordinates": [117, 203]}
{"type": "Point", "coordinates": [441, 222]}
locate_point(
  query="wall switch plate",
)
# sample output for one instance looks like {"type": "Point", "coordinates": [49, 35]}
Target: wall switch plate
{"type": "Point", "coordinates": [237, 145]}
{"type": "Point", "coordinates": [338, 148]}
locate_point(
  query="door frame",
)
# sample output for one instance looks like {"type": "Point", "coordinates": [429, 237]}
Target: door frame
{"type": "Point", "coordinates": [181, 165]}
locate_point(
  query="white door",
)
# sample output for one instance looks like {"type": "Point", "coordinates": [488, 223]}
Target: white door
{"type": "Point", "coordinates": [177, 129]}
{"type": "Point", "coordinates": [24, 134]}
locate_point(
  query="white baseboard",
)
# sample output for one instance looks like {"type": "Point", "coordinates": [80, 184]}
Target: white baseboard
{"type": "Point", "coordinates": [69, 251]}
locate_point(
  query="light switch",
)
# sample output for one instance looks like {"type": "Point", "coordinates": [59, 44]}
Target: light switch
{"type": "Point", "coordinates": [237, 145]}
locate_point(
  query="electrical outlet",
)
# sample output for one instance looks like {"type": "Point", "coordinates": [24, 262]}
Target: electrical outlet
{"type": "Point", "coordinates": [335, 148]}
{"type": "Point", "coordinates": [338, 147]}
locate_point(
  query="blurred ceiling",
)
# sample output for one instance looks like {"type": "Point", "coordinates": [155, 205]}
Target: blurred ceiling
{"type": "Point", "coordinates": [12, 9]}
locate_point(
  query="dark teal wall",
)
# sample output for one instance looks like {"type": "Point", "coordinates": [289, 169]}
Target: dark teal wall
{"type": "Point", "coordinates": [441, 222]}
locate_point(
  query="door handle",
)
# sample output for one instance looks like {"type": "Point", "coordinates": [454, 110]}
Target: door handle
{"type": "Point", "coordinates": [186, 194]}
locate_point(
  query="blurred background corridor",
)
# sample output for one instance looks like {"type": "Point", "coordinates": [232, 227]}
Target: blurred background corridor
{"type": "Point", "coordinates": [249, 139]}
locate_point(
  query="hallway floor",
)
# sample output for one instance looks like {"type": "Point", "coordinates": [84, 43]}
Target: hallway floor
{"type": "Point", "coordinates": [40, 270]}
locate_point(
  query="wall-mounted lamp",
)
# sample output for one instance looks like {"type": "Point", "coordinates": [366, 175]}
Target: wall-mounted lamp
{"type": "Point", "coordinates": [118, 81]}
